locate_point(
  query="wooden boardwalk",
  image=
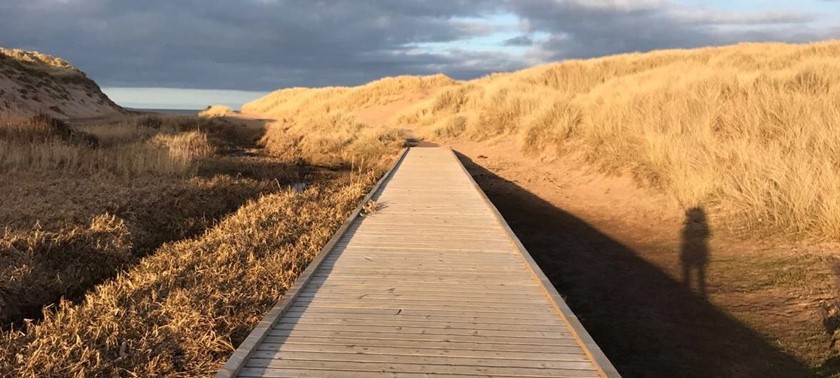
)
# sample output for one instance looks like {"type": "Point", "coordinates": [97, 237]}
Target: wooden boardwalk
{"type": "Point", "coordinates": [433, 283]}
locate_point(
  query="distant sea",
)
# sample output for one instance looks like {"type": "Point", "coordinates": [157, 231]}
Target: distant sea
{"type": "Point", "coordinates": [167, 111]}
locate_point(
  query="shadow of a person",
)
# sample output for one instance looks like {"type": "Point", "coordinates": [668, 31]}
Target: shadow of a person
{"type": "Point", "coordinates": [694, 254]}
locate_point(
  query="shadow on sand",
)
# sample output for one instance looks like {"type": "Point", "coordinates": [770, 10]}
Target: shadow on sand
{"type": "Point", "coordinates": [694, 251]}
{"type": "Point", "coordinates": [647, 323]}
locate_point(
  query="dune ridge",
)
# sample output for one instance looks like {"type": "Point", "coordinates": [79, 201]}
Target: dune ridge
{"type": "Point", "coordinates": [34, 83]}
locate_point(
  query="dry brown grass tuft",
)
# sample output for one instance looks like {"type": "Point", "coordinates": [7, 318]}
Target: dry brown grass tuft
{"type": "Point", "coordinates": [187, 146]}
{"type": "Point", "coordinates": [181, 311]}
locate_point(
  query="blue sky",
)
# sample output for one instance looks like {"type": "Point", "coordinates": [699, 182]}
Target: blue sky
{"type": "Point", "coordinates": [221, 51]}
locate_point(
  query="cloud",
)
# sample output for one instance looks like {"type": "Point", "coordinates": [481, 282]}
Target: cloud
{"type": "Point", "coordinates": [266, 44]}
{"type": "Point", "coordinates": [520, 40]}
{"type": "Point", "coordinates": [224, 44]}
{"type": "Point", "coordinates": [582, 29]}
{"type": "Point", "coordinates": [705, 17]}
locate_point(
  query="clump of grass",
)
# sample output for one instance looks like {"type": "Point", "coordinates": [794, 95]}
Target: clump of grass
{"type": "Point", "coordinates": [370, 207]}
{"type": "Point", "coordinates": [187, 146]}
{"type": "Point", "coordinates": [181, 311]}
{"type": "Point", "coordinates": [454, 127]}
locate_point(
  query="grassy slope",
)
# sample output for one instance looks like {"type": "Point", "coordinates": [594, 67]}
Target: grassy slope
{"type": "Point", "coordinates": [324, 125]}
{"type": "Point", "coordinates": [748, 131]}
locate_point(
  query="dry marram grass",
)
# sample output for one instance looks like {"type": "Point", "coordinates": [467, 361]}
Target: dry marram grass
{"type": "Point", "coordinates": [82, 203]}
{"type": "Point", "coordinates": [322, 125]}
{"type": "Point", "coordinates": [748, 130]}
{"type": "Point", "coordinates": [177, 310]}
{"type": "Point", "coordinates": [181, 311]}
{"type": "Point", "coordinates": [127, 149]}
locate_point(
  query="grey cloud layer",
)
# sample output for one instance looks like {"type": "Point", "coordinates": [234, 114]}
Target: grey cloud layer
{"type": "Point", "coordinates": [265, 44]}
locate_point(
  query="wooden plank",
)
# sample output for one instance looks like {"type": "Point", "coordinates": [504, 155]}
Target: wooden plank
{"type": "Point", "coordinates": [427, 258]}
{"type": "Point", "coordinates": [419, 297]}
{"type": "Point", "coordinates": [288, 330]}
{"type": "Point", "coordinates": [436, 245]}
{"type": "Point", "coordinates": [326, 281]}
{"type": "Point", "coordinates": [418, 312]}
{"type": "Point", "coordinates": [417, 224]}
{"type": "Point", "coordinates": [525, 358]}
{"type": "Point", "coordinates": [500, 292]}
{"type": "Point", "coordinates": [366, 300]}
{"type": "Point", "coordinates": [504, 340]}
{"type": "Point", "coordinates": [525, 320]}
{"type": "Point", "coordinates": [390, 288]}
{"type": "Point", "coordinates": [424, 309]}
{"type": "Point", "coordinates": [363, 367]}
{"type": "Point", "coordinates": [503, 317]}
{"type": "Point", "coordinates": [388, 249]}
{"type": "Point", "coordinates": [302, 373]}
{"type": "Point", "coordinates": [451, 278]}
{"type": "Point", "coordinates": [289, 323]}
{"type": "Point", "coordinates": [403, 266]}
{"type": "Point", "coordinates": [420, 346]}
{"type": "Point", "coordinates": [419, 270]}
{"type": "Point", "coordinates": [417, 262]}
{"type": "Point", "coordinates": [410, 238]}
{"type": "Point", "coordinates": [578, 361]}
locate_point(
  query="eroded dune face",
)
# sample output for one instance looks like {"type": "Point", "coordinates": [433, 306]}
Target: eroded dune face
{"type": "Point", "coordinates": [34, 83]}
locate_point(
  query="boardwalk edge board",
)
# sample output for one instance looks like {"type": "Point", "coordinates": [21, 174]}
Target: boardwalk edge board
{"type": "Point", "coordinates": [237, 360]}
{"type": "Point", "coordinates": [602, 363]}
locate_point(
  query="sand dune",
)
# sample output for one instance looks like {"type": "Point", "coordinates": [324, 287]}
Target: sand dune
{"type": "Point", "coordinates": [34, 83]}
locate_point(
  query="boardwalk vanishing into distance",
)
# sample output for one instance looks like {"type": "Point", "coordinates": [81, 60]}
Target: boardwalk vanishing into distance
{"type": "Point", "coordinates": [433, 283]}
